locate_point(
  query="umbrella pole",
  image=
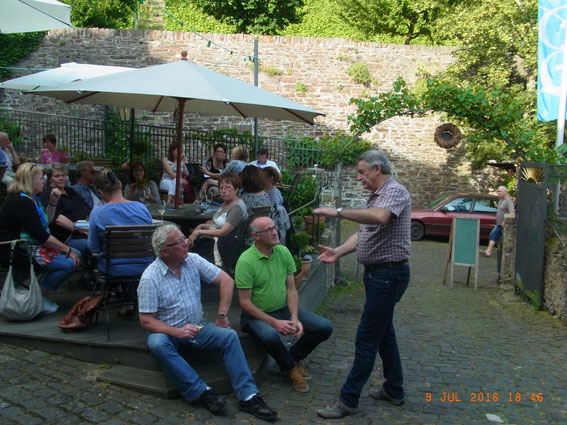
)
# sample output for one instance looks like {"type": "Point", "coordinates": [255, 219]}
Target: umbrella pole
{"type": "Point", "coordinates": [180, 111]}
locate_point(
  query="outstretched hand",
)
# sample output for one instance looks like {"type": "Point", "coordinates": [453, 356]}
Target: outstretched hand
{"type": "Point", "coordinates": [328, 255]}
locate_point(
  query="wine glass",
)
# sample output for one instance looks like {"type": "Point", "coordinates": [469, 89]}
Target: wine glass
{"type": "Point", "coordinates": [161, 209]}
{"type": "Point", "coordinates": [143, 195]}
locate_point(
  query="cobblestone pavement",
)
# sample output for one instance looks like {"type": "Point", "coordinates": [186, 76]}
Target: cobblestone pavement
{"type": "Point", "coordinates": [455, 341]}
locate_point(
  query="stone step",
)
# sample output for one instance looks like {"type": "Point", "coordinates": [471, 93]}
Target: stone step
{"type": "Point", "coordinates": [155, 383]}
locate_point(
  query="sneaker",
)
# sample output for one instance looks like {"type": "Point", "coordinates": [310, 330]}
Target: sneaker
{"type": "Point", "coordinates": [257, 407]}
{"type": "Point", "coordinates": [306, 375]}
{"type": "Point", "coordinates": [297, 380]}
{"type": "Point", "coordinates": [213, 402]}
{"type": "Point", "coordinates": [49, 306]}
{"type": "Point", "coordinates": [336, 409]}
{"type": "Point", "coordinates": [380, 394]}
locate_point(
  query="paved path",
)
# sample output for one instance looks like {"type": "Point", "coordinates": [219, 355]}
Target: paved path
{"type": "Point", "coordinates": [451, 341]}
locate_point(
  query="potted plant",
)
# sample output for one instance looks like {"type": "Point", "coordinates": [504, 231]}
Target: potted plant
{"type": "Point", "coordinates": [300, 244]}
{"type": "Point", "coordinates": [298, 275]}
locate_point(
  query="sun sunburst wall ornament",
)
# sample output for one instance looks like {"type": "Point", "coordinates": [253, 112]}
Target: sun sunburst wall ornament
{"type": "Point", "coordinates": [447, 136]}
{"type": "Point", "coordinates": [532, 174]}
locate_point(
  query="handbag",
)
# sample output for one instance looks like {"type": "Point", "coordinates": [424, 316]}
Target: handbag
{"type": "Point", "coordinates": [20, 303]}
{"type": "Point", "coordinates": [81, 314]}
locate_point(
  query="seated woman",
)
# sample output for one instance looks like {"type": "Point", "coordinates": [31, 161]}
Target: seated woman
{"type": "Point", "coordinates": [169, 164]}
{"type": "Point", "coordinates": [117, 211]}
{"type": "Point", "coordinates": [70, 207]}
{"type": "Point", "coordinates": [140, 187]}
{"type": "Point", "coordinates": [253, 183]}
{"type": "Point", "coordinates": [50, 153]}
{"type": "Point", "coordinates": [272, 179]}
{"type": "Point", "coordinates": [23, 217]}
{"type": "Point", "coordinates": [231, 214]}
{"type": "Point", "coordinates": [215, 164]}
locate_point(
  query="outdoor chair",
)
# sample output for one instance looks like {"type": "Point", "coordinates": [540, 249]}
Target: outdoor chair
{"type": "Point", "coordinates": [121, 242]}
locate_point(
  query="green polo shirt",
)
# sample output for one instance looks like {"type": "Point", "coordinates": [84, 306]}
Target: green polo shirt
{"type": "Point", "coordinates": [265, 276]}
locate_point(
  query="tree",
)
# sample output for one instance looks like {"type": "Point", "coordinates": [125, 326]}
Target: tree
{"type": "Point", "coordinates": [497, 127]}
{"type": "Point", "coordinates": [408, 19]}
{"type": "Point", "coordinates": [103, 13]}
{"type": "Point", "coordinates": [254, 16]}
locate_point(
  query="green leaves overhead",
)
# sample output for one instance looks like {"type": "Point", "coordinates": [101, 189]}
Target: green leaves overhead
{"type": "Point", "coordinates": [253, 16]}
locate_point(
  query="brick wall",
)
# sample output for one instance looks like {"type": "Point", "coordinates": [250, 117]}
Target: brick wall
{"type": "Point", "coordinates": [320, 64]}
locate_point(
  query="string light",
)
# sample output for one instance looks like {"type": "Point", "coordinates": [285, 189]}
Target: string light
{"type": "Point", "coordinates": [209, 42]}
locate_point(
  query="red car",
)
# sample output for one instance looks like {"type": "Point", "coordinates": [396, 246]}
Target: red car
{"type": "Point", "coordinates": [437, 216]}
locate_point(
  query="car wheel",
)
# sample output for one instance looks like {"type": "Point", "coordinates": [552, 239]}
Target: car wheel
{"type": "Point", "coordinates": [417, 231]}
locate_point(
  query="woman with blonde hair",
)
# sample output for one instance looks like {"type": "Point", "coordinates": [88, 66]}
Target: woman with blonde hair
{"type": "Point", "coordinates": [23, 216]}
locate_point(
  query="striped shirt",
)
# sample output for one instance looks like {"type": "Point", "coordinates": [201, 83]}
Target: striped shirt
{"type": "Point", "coordinates": [381, 243]}
{"type": "Point", "coordinates": [175, 301]}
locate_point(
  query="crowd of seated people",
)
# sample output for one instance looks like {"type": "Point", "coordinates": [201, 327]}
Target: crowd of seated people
{"type": "Point", "coordinates": [47, 214]}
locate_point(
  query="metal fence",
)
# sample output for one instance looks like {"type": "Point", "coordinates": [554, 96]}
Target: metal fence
{"type": "Point", "coordinates": [109, 138]}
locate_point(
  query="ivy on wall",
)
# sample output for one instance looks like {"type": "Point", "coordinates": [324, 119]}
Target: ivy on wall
{"type": "Point", "coordinates": [15, 47]}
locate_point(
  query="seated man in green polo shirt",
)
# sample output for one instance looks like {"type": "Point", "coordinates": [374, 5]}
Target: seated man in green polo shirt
{"type": "Point", "coordinates": [270, 303]}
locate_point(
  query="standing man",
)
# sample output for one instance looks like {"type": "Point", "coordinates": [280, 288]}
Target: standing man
{"type": "Point", "coordinates": [270, 303]}
{"type": "Point", "coordinates": [169, 301]}
{"type": "Point", "coordinates": [262, 160]}
{"type": "Point", "coordinates": [505, 206]}
{"type": "Point", "coordinates": [11, 157]}
{"type": "Point", "coordinates": [382, 245]}
{"type": "Point", "coordinates": [85, 184]}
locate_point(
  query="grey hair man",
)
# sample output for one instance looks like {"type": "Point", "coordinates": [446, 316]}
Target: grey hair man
{"type": "Point", "coordinates": [505, 206]}
{"type": "Point", "coordinates": [169, 302]}
{"type": "Point", "coordinates": [85, 184]}
{"type": "Point", "coordinates": [382, 245]}
{"type": "Point", "coordinates": [11, 158]}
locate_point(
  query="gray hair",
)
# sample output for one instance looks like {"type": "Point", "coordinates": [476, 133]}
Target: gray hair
{"type": "Point", "coordinates": [83, 165]}
{"type": "Point", "coordinates": [504, 188]}
{"type": "Point", "coordinates": [160, 235]}
{"type": "Point", "coordinates": [376, 157]}
{"type": "Point", "coordinates": [55, 166]}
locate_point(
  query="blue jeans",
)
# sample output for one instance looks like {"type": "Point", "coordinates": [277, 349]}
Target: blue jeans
{"type": "Point", "coordinates": [495, 233]}
{"type": "Point", "coordinates": [165, 349]}
{"type": "Point", "coordinates": [80, 244]}
{"type": "Point", "coordinates": [60, 268]}
{"type": "Point", "coordinates": [316, 330]}
{"type": "Point", "coordinates": [384, 288]}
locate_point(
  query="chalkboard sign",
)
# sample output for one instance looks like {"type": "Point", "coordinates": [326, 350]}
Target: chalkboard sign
{"type": "Point", "coordinates": [465, 241]}
{"type": "Point", "coordinates": [463, 247]}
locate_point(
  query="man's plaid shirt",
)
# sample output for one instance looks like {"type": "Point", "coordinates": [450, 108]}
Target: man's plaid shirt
{"type": "Point", "coordinates": [381, 243]}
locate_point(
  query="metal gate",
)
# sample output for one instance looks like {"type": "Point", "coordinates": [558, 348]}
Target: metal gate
{"type": "Point", "coordinates": [530, 218]}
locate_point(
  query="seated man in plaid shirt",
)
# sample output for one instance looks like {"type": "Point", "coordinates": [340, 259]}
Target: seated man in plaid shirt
{"type": "Point", "coordinates": [169, 301]}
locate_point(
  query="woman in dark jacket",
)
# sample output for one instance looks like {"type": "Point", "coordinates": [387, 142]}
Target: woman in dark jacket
{"type": "Point", "coordinates": [23, 216]}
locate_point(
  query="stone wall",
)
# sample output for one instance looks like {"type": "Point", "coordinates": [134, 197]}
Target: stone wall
{"type": "Point", "coordinates": [320, 64]}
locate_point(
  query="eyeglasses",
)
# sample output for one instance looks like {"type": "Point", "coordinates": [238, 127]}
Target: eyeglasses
{"type": "Point", "coordinates": [177, 242]}
{"type": "Point", "coordinates": [269, 230]}
{"type": "Point", "coordinates": [220, 152]}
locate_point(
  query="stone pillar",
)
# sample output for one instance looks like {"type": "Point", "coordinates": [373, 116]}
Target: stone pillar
{"type": "Point", "coordinates": [507, 270]}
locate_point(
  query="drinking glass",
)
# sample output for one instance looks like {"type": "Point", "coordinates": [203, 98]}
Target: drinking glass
{"type": "Point", "coordinates": [161, 209]}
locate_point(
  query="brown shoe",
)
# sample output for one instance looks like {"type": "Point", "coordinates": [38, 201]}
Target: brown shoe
{"type": "Point", "coordinates": [306, 375]}
{"type": "Point", "coordinates": [297, 381]}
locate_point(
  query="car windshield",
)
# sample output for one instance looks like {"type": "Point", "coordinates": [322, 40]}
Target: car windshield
{"type": "Point", "coordinates": [438, 202]}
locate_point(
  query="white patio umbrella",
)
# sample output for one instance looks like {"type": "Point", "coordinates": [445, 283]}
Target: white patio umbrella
{"type": "Point", "coordinates": [33, 15]}
{"type": "Point", "coordinates": [66, 73]}
{"type": "Point", "coordinates": [182, 86]}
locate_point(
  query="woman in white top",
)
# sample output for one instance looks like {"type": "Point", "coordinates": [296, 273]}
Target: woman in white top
{"type": "Point", "coordinates": [169, 165]}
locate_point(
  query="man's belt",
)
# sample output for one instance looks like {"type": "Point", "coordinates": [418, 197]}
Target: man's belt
{"type": "Point", "coordinates": [388, 265]}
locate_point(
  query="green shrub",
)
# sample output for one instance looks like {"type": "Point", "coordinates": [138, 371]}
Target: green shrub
{"type": "Point", "coordinates": [301, 87]}
{"type": "Point", "coordinates": [360, 73]}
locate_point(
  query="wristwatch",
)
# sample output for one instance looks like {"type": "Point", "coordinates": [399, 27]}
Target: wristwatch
{"type": "Point", "coordinates": [339, 211]}
{"type": "Point", "coordinates": [222, 315]}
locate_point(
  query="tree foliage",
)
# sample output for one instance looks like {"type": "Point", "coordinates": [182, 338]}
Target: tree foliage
{"type": "Point", "coordinates": [117, 14]}
{"type": "Point", "coordinates": [14, 47]}
{"type": "Point", "coordinates": [408, 19]}
{"type": "Point", "coordinates": [253, 16]}
{"type": "Point", "coordinates": [497, 127]}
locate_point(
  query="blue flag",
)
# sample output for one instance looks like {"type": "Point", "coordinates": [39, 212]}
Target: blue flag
{"type": "Point", "coordinates": [551, 38]}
